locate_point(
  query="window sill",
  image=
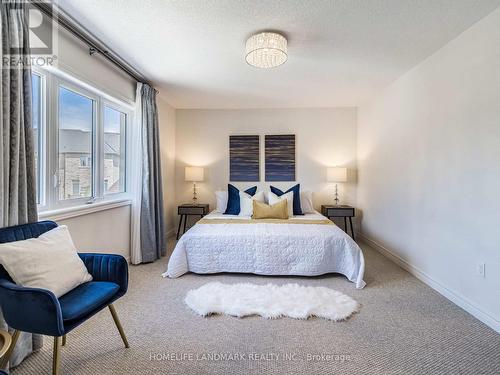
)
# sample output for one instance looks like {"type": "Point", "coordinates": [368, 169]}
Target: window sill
{"type": "Point", "coordinates": [84, 209]}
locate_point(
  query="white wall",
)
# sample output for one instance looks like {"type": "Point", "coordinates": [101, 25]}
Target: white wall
{"type": "Point", "coordinates": [73, 58]}
{"type": "Point", "coordinates": [324, 137]}
{"type": "Point", "coordinates": [429, 168]}
{"type": "Point", "coordinates": [105, 231]}
{"type": "Point", "coordinates": [167, 120]}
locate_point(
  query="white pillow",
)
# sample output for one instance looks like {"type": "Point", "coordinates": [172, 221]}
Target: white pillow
{"type": "Point", "coordinates": [221, 197]}
{"type": "Point", "coordinates": [266, 197]}
{"type": "Point", "coordinates": [306, 202]}
{"type": "Point", "coordinates": [273, 199]}
{"type": "Point", "coordinates": [48, 262]}
{"type": "Point", "coordinates": [246, 202]}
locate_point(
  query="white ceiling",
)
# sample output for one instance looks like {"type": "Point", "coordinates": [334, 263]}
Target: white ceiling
{"type": "Point", "coordinates": [341, 52]}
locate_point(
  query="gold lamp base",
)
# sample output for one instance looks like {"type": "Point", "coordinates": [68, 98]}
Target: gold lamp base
{"type": "Point", "coordinates": [195, 198]}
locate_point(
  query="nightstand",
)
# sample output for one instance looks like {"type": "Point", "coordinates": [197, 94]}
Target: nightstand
{"type": "Point", "coordinates": [331, 211]}
{"type": "Point", "coordinates": [189, 209]}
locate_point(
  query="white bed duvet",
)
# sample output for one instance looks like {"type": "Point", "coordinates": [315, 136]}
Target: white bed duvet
{"type": "Point", "coordinates": [267, 249]}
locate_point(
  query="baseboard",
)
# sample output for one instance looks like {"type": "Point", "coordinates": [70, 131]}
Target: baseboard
{"type": "Point", "coordinates": [454, 297]}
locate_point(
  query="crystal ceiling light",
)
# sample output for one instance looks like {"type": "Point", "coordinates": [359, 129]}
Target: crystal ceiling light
{"type": "Point", "coordinates": [266, 50]}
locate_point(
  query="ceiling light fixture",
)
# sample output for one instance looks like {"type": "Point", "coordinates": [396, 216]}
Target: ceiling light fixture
{"type": "Point", "coordinates": [266, 50]}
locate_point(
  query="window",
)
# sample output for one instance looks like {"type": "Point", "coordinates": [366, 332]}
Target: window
{"type": "Point", "coordinates": [114, 150]}
{"type": "Point", "coordinates": [85, 161]}
{"type": "Point", "coordinates": [76, 128]}
{"type": "Point", "coordinates": [37, 123]}
{"type": "Point", "coordinates": [81, 156]}
{"type": "Point", "coordinates": [75, 188]}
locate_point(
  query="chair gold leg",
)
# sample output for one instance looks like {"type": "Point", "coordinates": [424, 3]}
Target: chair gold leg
{"type": "Point", "coordinates": [6, 357]}
{"type": "Point", "coordinates": [56, 356]}
{"type": "Point", "coordinates": [118, 325]}
{"type": "Point", "coordinates": [64, 340]}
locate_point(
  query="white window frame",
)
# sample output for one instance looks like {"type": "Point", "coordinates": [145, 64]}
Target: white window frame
{"type": "Point", "coordinates": [49, 147]}
{"type": "Point", "coordinates": [42, 141]}
{"type": "Point", "coordinates": [128, 114]}
{"type": "Point", "coordinates": [54, 200]}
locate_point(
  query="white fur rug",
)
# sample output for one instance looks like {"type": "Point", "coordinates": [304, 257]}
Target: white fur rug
{"type": "Point", "coordinates": [270, 301]}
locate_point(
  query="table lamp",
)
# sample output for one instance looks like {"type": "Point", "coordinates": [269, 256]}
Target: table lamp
{"type": "Point", "coordinates": [194, 175]}
{"type": "Point", "coordinates": [336, 174]}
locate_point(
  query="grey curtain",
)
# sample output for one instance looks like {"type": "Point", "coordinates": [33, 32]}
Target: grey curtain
{"type": "Point", "coordinates": [17, 164]}
{"type": "Point", "coordinates": [153, 236]}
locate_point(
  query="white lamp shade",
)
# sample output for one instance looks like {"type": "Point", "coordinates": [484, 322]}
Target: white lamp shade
{"type": "Point", "coordinates": [336, 174]}
{"type": "Point", "coordinates": [194, 174]}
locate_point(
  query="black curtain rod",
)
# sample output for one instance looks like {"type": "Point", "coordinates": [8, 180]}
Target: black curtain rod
{"type": "Point", "coordinates": [95, 45]}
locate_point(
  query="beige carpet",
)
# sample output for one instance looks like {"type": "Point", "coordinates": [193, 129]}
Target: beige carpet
{"type": "Point", "coordinates": [404, 327]}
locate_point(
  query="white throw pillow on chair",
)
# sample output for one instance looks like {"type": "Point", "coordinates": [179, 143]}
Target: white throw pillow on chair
{"type": "Point", "coordinates": [48, 262]}
{"type": "Point", "coordinates": [273, 199]}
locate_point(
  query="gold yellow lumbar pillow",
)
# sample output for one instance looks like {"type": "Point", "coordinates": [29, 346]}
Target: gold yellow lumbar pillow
{"type": "Point", "coordinates": [262, 210]}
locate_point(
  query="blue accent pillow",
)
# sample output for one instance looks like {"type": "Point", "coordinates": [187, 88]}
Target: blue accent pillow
{"type": "Point", "coordinates": [233, 199]}
{"type": "Point", "coordinates": [297, 209]}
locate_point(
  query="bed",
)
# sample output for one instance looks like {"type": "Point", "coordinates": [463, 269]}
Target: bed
{"type": "Point", "coordinates": [306, 245]}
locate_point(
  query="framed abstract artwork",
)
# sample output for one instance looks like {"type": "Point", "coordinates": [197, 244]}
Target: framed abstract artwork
{"type": "Point", "coordinates": [280, 157]}
{"type": "Point", "coordinates": [244, 155]}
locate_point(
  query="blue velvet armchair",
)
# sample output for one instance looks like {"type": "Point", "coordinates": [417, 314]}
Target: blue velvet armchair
{"type": "Point", "coordinates": [39, 311]}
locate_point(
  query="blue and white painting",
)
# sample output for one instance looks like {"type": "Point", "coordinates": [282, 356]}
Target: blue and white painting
{"type": "Point", "coordinates": [244, 152]}
{"type": "Point", "coordinates": [280, 157]}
